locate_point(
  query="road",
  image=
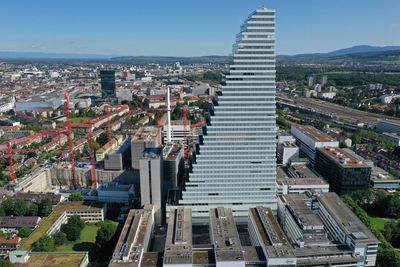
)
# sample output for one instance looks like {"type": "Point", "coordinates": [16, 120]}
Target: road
{"type": "Point", "coordinates": [346, 113]}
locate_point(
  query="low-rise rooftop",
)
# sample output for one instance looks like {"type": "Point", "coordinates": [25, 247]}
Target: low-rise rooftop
{"type": "Point", "coordinates": [178, 244]}
{"type": "Point", "coordinates": [131, 242]}
{"type": "Point", "coordinates": [48, 221]}
{"type": "Point", "coordinates": [314, 134]}
{"type": "Point", "coordinates": [344, 157]}
{"type": "Point", "coordinates": [55, 259]}
{"type": "Point", "coordinates": [346, 219]}
{"type": "Point", "coordinates": [297, 174]}
{"type": "Point", "coordinates": [225, 236]}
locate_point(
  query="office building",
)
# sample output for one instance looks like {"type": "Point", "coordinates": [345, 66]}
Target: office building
{"type": "Point", "coordinates": [134, 240]}
{"type": "Point", "coordinates": [119, 158]}
{"type": "Point", "coordinates": [145, 137]}
{"type": "Point", "coordinates": [389, 129]}
{"type": "Point", "coordinates": [345, 171]}
{"type": "Point", "coordinates": [107, 78]}
{"type": "Point", "coordinates": [151, 171]}
{"type": "Point", "coordinates": [324, 80]}
{"type": "Point", "coordinates": [345, 227]}
{"type": "Point", "coordinates": [236, 167]}
{"type": "Point", "coordinates": [386, 126]}
{"type": "Point", "coordinates": [12, 224]}
{"type": "Point", "coordinates": [266, 233]}
{"type": "Point", "coordinates": [225, 238]}
{"type": "Point", "coordinates": [8, 244]}
{"type": "Point", "coordinates": [309, 138]}
{"type": "Point", "coordinates": [178, 244]}
{"type": "Point", "coordinates": [303, 227]}
{"type": "Point", "coordinates": [310, 81]}
{"type": "Point", "coordinates": [286, 152]}
{"type": "Point", "coordinates": [116, 193]}
{"type": "Point", "coordinates": [173, 166]}
{"type": "Point", "coordinates": [298, 178]}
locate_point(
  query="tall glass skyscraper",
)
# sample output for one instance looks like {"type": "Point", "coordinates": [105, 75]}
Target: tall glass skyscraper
{"type": "Point", "coordinates": [107, 78]}
{"type": "Point", "coordinates": [236, 167]}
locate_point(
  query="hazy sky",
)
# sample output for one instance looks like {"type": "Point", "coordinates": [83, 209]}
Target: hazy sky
{"type": "Point", "coordinates": [190, 27]}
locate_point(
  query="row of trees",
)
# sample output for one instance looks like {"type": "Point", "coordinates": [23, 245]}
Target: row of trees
{"type": "Point", "coordinates": [387, 255]}
{"type": "Point", "coordinates": [16, 207]}
{"type": "Point", "coordinates": [392, 232]}
{"type": "Point", "coordinates": [379, 203]}
{"type": "Point", "coordinates": [71, 231]}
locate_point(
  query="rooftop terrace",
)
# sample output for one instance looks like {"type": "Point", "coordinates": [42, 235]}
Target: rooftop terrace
{"type": "Point", "coordinates": [48, 221]}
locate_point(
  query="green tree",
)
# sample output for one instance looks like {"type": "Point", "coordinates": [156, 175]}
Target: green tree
{"type": "Point", "coordinates": [25, 232]}
{"type": "Point", "coordinates": [105, 234]}
{"type": "Point", "coordinates": [44, 244]}
{"type": "Point", "coordinates": [20, 208]}
{"type": "Point", "coordinates": [8, 206]}
{"type": "Point", "coordinates": [76, 196]}
{"type": "Point", "coordinates": [60, 238]}
{"type": "Point", "coordinates": [388, 258]}
{"type": "Point", "coordinates": [73, 228]}
{"type": "Point", "coordinates": [45, 207]}
{"type": "Point", "coordinates": [392, 232]}
{"type": "Point", "coordinates": [5, 263]}
{"type": "Point", "coordinates": [34, 209]}
{"type": "Point", "coordinates": [102, 139]}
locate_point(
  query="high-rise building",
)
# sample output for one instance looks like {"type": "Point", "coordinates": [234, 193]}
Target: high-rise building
{"type": "Point", "coordinates": [345, 171]}
{"type": "Point", "coordinates": [107, 78]}
{"type": "Point", "coordinates": [151, 171]}
{"type": "Point", "coordinates": [236, 167]}
{"type": "Point", "coordinates": [324, 80]}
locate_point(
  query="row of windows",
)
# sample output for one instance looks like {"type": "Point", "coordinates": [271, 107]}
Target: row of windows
{"type": "Point", "coordinates": [254, 119]}
{"type": "Point", "coordinates": [239, 87]}
{"type": "Point", "coordinates": [252, 94]}
{"type": "Point", "coordinates": [255, 58]}
{"type": "Point", "coordinates": [253, 63]}
{"type": "Point", "coordinates": [255, 84]}
{"type": "Point", "coordinates": [261, 24]}
{"type": "Point", "coordinates": [262, 19]}
{"type": "Point", "coordinates": [252, 68]}
{"type": "Point", "coordinates": [255, 47]}
{"type": "Point", "coordinates": [266, 13]}
{"type": "Point", "coordinates": [259, 36]}
{"type": "Point", "coordinates": [249, 79]}
{"type": "Point", "coordinates": [257, 41]}
{"type": "Point", "coordinates": [259, 30]}
{"type": "Point", "coordinates": [256, 52]}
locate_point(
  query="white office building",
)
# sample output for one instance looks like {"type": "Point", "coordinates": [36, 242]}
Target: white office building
{"type": "Point", "coordinates": [236, 167]}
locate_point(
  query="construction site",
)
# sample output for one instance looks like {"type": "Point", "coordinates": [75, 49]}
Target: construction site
{"type": "Point", "coordinates": [117, 159]}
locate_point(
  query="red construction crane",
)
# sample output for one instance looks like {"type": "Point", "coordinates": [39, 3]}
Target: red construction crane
{"type": "Point", "coordinates": [90, 123]}
{"type": "Point", "coordinates": [92, 159]}
{"type": "Point", "coordinates": [11, 164]}
{"type": "Point", "coordinates": [201, 123]}
{"type": "Point", "coordinates": [69, 136]}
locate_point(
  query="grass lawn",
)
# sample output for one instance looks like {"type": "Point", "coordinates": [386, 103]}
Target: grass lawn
{"type": "Point", "coordinates": [378, 223]}
{"type": "Point", "coordinates": [74, 120]}
{"type": "Point", "coordinates": [84, 243]}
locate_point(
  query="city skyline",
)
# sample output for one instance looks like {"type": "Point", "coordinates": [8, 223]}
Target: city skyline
{"type": "Point", "coordinates": [87, 28]}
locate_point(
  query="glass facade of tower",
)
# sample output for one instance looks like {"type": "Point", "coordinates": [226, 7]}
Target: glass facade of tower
{"type": "Point", "coordinates": [236, 167]}
{"type": "Point", "coordinates": [107, 78]}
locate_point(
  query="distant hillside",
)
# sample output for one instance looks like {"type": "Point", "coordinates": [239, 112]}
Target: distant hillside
{"type": "Point", "coordinates": [42, 55]}
{"type": "Point", "coordinates": [362, 49]}
{"type": "Point", "coordinates": [169, 60]}
{"type": "Point", "coordinates": [362, 54]}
